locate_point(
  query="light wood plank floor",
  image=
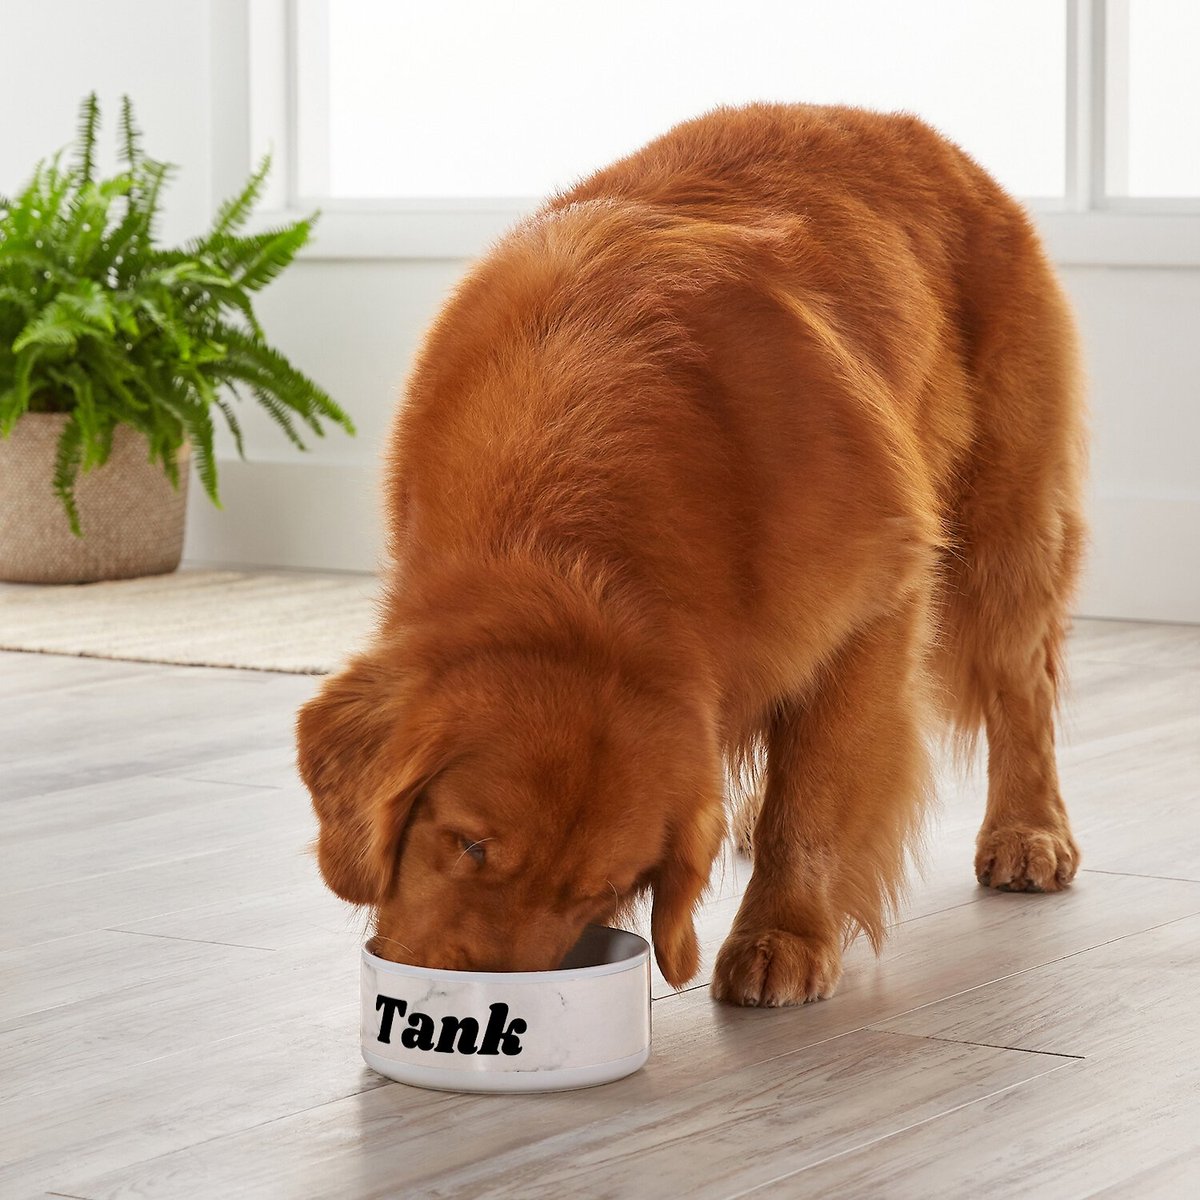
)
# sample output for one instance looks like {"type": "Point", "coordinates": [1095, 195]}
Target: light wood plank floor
{"type": "Point", "coordinates": [178, 991]}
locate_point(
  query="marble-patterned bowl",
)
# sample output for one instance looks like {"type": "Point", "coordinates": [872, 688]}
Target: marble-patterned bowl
{"type": "Point", "coordinates": [585, 1023]}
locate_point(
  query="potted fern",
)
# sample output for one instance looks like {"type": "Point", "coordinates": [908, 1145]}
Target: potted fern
{"type": "Point", "coordinates": [116, 354]}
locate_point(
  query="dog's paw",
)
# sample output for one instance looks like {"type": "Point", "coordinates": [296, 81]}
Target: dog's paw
{"type": "Point", "coordinates": [775, 968]}
{"type": "Point", "coordinates": [1018, 859]}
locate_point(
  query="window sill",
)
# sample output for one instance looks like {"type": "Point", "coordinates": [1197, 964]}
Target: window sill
{"type": "Point", "coordinates": [1107, 239]}
{"type": "Point", "coordinates": [1122, 239]}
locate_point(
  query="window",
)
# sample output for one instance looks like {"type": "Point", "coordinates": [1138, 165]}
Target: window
{"type": "Point", "coordinates": [1153, 100]}
{"type": "Point", "coordinates": [423, 128]}
{"type": "Point", "coordinates": [485, 98]}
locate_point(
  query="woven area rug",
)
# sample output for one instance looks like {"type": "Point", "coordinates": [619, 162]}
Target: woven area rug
{"type": "Point", "coordinates": [263, 621]}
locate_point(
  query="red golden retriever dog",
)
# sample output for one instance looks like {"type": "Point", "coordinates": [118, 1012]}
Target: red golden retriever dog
{"type": "Point", "coordinates": [761, 446]}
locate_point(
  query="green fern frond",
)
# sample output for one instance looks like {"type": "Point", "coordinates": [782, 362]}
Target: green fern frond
{"type": "Point", "coordinates": [235, 427]}
{"type": "Point", "coordinates": [104, 443]}
{"type": "Point", "coordinates": [190, 397]}
{"type": "Point", "coordinates": [122, 380]}
{"type": "Point", "coordinates": [74, 380]}
{"type": "Point", "coordinates": [206, 463]}
{"type": "Point", "coordinates": [91, 304]}
{"type": "Point", "coordinates": [274, 256]}
{"type": "Point", "coordinates": [235, 211]}
{"type": "Point", "coordinates": [279, 414]}
{"type": "Point", "coordinates": [9, 411]}
{"type": "Point", "coordinates": [151, 178]}
{"type": "Point", "coordinates": [200, 431]}
{"type": "Point", "coordinates": [86, 223]}
{"type": "Point", "coordinates": [66, 470]}
{"type": "Point", "coordinates": [33, 262]}
{"type": "Point", "coordinates": [164, 435]}
{"type": "Point", "coordinates": [22, 376]}
{"type": "Point", "coordinates": [54, 326]}
{"type": "Point", "coordinates": [131, 136]}
{"type": "Point", "coordinates": [17, 297]}
{"type": "Point", "coordinates": [266, 362]}
{"type": "Point", "coordinates": [235, 297]}
{"type": "Point", "coordinates": [89, 123]}
{"type": "Point", "coordinates": [234, 252]}
{"type": "Point", "coordinates": [118, 239]}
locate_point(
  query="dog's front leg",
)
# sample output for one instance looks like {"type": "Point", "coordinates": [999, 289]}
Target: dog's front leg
{"type": "Point", "coordinates": [846, 780]}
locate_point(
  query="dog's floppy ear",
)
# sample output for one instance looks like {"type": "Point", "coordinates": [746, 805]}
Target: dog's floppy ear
{"type": "Point", "coordinates": [692, 845]}
{"type": "Point", "coordinates": [364, 762]}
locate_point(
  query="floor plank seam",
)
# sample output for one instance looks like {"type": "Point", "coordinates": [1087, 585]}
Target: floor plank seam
{"type": "Point", "coordinates": [91, 656]}
{"type": "Point", "coordinates": [933, 1037]}
{"type": "Point", "coordinates": [896, 1132]}
{"type": "Point", "coordinates": [1040, 966]}
{"type": "Point", "coordinates": [681, 992]}
{"type": "Point", "coordinates": [833, 1037]}
{"type": "Point", "coordinates": [147, 866]}
{"type": "Point", "coordinates": [262, 787]}
{"type": "Point", "coordinates": [1136, 875]}
{"type": "Point", "coordinates": [1094, 660]}
{"type": "Point", "coordinates": [979, 897]}
{"type": "Point", "coordinates": [172, 937]}
{"type": "Point", "coordinates": [695, 987]}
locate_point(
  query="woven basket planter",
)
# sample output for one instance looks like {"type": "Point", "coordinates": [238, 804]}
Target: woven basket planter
{"type": "Point", "coordinates": [132, 518]}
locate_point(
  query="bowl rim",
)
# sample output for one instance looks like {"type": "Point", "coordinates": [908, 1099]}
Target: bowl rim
{"type": "Point", "coordinates": [558, 975]}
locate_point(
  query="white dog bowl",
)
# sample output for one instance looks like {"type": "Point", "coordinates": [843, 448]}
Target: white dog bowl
{"type": "Point", "coordinates": [585, 1023]}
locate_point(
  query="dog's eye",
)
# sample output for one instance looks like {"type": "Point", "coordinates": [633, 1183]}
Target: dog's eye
{"type": "Point", "coordinates": [472, 849]}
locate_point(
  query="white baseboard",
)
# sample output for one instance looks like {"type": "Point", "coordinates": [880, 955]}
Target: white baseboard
{"type": "Point", "coordinates": [1144, 562]}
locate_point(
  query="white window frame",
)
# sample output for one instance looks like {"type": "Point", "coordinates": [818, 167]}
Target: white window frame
{"type": "Point", "coordinates": [255, 52]}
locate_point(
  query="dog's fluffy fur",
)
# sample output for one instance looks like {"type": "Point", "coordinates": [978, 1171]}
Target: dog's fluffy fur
{"type": "Point", "coordinates": [763, 444]}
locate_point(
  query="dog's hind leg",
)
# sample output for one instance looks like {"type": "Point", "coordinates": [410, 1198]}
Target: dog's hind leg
{"type": "Point", "coordinates": [1014, 637]}
{"type": "Point", "coordinates": [1018, 538]}
{"type": "Point", "coordinates": [845, 784]}
{"type": "Point", "coordinates": [1025, 843]}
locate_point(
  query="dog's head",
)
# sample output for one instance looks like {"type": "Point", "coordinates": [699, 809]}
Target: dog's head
{"type": "Point", "coordinates": [489, 811]}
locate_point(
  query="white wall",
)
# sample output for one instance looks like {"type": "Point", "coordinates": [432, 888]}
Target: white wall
{"type": "Point", "coordinates": [354, 327]}
{"type": "Point", "coordinates": [355, 324]}
{"type": "Point", "coordinates": [1141, 329]}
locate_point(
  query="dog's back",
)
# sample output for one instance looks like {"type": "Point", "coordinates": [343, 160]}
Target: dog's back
{"type": "Point", "coordinates": [775, 362]}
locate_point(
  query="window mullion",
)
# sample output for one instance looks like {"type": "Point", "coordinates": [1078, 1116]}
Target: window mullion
{"type": "Point", "coordinates": [1115, 50]}
{"type": "Point", "coordinates": [309, 28]}
{"type": "Point", "coordinates": [270, 114]}
{"type": "Point", "coordinates": [1086, 70]}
